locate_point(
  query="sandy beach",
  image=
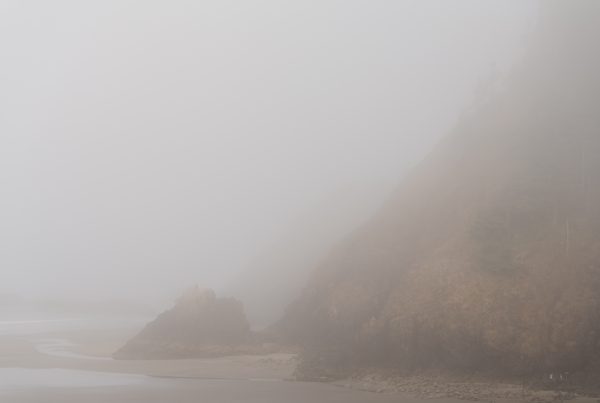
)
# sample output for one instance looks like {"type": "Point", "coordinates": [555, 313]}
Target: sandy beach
{"type": "Point", "coordinates": [70, 361]}
{"type": "Point", "coordinates": [74, 365]}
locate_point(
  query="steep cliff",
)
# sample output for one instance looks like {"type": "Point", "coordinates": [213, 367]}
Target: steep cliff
{"type": "Point", "coordinates": [487, 258]}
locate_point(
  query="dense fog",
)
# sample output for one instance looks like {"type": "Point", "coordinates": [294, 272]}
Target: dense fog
{"type": "Point", "coordinates": [148, 146]}
{"type": "Point", "coordinates": [268, 201]}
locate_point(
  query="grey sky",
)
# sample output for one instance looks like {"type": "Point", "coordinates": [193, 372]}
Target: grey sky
{"type": "Point", "coordinates": [147, 145]}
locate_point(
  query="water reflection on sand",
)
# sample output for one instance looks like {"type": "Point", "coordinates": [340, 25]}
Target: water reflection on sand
{"type": "Point", "coordinates": [102, 389]}
{"type": "Point", "coordinates": [44, 367]}
{"type": "Point", "coordinates": [26, 378]}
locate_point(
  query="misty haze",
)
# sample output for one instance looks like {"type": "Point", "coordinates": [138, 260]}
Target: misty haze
{"type": "Point", "coordinates": [299, 201]}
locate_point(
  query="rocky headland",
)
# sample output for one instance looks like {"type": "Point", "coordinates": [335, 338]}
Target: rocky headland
{"type": "Point", "coordinates": [486, 260]}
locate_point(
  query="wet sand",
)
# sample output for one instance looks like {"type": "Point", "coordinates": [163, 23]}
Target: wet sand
{"type": "Point", "coordinates": [74, 366]}
{"type": "Point", "coordinates": [217, 391]}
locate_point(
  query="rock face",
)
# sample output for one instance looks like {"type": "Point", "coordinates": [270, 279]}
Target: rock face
{"type": "Point", "coordinates": [199, 325]}
{"type": "Point", "coordinates": [488, 257]}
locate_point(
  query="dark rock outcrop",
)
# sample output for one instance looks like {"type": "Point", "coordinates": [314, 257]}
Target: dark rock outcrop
{"type": "Point", "coordinates": [488, 256]}
{"type": "Point", "coordinates": [199, 325]}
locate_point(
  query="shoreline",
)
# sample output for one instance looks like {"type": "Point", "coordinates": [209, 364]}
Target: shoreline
{"type": "Point", "coordinates": [91, 350]}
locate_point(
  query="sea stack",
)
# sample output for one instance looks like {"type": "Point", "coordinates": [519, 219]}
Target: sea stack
{"type": "Point", "coordinates": [199, 325]}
